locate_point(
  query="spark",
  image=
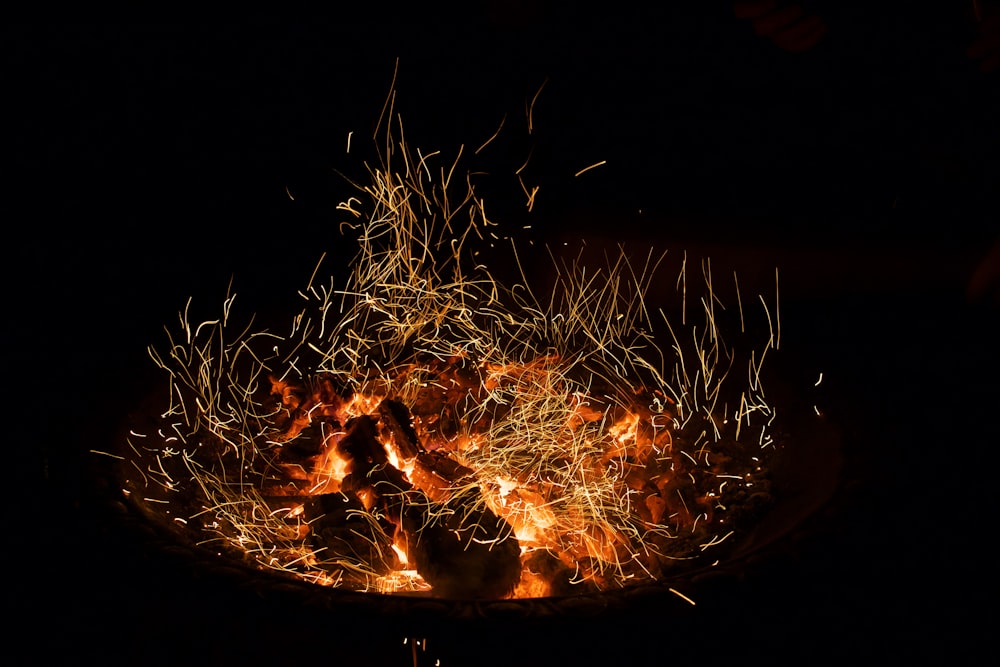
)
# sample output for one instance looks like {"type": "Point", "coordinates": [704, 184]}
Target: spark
{"type": "Point", "coordinates": [593, 166]}
{"type": "Point", "coordinates": [524, 165]}
{"type": "Point", "coordinates": [777, 311]}
{"type": "Point", "coordinates": [495, 135]}
{"type": "Point", "coordinates": [739, 301]}
{"type": "Point", "coordinates": [531, 107]}
{"type": "Point", "coordinates": [114, 456]}
{"type": "Point", "coordinates": [388, 100]}
{"type": "Point", "coordinates": [682, 596]}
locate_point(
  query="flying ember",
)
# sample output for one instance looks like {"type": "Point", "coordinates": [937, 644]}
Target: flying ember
{"type": "Point", "coordinates": [423, 427]}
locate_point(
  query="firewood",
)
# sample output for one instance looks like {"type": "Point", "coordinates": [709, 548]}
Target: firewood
{"type": "Point", "coordinates": [468, 552]}
{"type": "Point", "coordinates": [301, 406]}
{"type": "Point", "coordinates": [398, 423]}
{"type": "Point", "coordinates": [360, 446]}
{"type": "Point", "coordinates": [437, 475]}
{"type": "Point", "coordinates": [338, 527]}
{"type": "Point", "coordinates": [460, 548]}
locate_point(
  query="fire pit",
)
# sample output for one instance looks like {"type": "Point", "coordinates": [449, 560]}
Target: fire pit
{"type": "Point", "coordinates": [427, 435]}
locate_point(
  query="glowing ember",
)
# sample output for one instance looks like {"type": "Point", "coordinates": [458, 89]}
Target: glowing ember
{"type": "Point", "coordinates": [425, 428]}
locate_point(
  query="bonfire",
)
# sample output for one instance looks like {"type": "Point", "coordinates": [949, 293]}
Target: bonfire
{"type": "Point", "coordinates": [425, 428]}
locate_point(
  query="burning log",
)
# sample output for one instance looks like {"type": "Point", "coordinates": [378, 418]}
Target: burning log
{"type": "Point", "coordinates": [360, 447]}
{"type": "Point", "coordinates": [437, 475]}
{"type": "Point", "coordinates": [301, 406]}
{"type": "Point", "coordinates": [460, 547]}
{"type": "Point", "coordinates": [396, 420]}
{"type": "Point", "coordinates": [343, 536]}
{"type": "Point", "coordinates": [469, 552]}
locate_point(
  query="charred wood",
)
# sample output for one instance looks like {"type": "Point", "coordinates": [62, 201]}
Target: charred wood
{"type": "Point", "coordinates": [397, 421]}
{"type": "Point", "coordinates": [461, 548]}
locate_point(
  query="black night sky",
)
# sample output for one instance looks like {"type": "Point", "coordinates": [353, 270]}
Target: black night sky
{"type": "Point", "coordinates": [151, 163]}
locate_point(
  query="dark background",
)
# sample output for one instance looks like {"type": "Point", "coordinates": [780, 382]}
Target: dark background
{"type": "Point", "coordinates": [150, 163]}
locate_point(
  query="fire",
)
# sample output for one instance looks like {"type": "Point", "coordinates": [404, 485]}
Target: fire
{"type": "Point", "coordinates": [426, 429]}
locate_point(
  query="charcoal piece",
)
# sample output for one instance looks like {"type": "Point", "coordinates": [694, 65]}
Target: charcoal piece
{"type": "Point", "coordinates": [360, 446]}
{"type": "Point", "coordinates": [398, 421]}
{"type": "Point", "coordinates": [462, 549]}
{"type": "Point", "coordinates": [308, 442]}
{"type": "Point", "coordinates": [301, 406]}
{"type": "Point", "coordinates": [437, 475]}
{"type": "Point", "coordinates": [324, 393]}
{"type": "Point", "coordinates": [469, 553]}
{"type": "Point", "coordinates": [562, 580]}
{"type": "Point", "coordinates": [340, 532]}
